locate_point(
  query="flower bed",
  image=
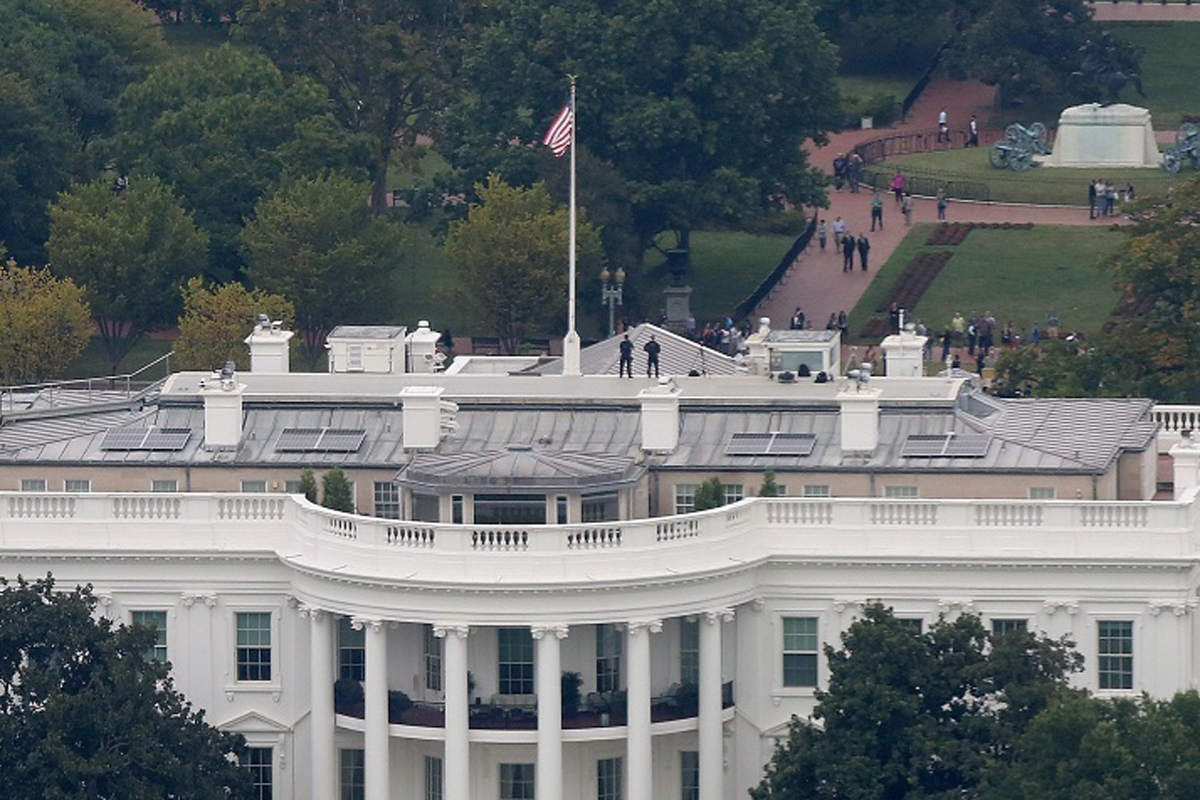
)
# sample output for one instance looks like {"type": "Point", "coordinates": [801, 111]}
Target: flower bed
{"type": "Point", "coordinates": [953, 233]}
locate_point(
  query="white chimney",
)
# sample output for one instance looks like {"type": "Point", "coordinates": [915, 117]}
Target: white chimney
{"type": "Point", "coordinates": [905, 355]}
{"type": "Point", "coordinates": [1186, 459]}
{"type": "Point", "coordinates": [422, 414]}
{"type": "Point", "coordinates": [269, 346]}
{"type": "Point", "coordinates": [860, 418]}
{"type": "Point", "coordinates": [422, 349]}
{"type": "Point", "coordinates": [222, 409]}
{"type": "Point", "coordinates": [660, 416]}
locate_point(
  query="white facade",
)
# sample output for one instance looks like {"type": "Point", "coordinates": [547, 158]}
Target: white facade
{"type": "Point", "coordinates": [254, 588]}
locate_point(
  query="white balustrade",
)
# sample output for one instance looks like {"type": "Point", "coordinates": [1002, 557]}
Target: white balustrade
{"type": "Point", "coordinates": [1173, 420]}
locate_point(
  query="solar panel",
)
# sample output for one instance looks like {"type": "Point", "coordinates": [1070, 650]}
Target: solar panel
{"type": "Point", "coordinates": [770, 444]}
{"type": "Point", "coordinates": [145, 439]}
{"type": "Point", "coordinates": [945, 445]}
{"type": "Point", "coordinates": [326, 440]}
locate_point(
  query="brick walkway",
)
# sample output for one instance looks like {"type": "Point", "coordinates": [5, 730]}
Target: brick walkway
{"type": "Point", "coordinates": [1149, 11]}
{"type": "Point", "coordinates": [816, 282]}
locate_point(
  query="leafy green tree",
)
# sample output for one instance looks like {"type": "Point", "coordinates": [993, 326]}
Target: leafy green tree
{"type": "Point", "coordinates": [224, 129]}
{"type": "Point", "coordinates": [131, 251]}
{"type": "Point", "coordinates": [336, 492]}
{"type": "Point", "coordinates": [769, 487]}
{"type": "Point", "coordinates": [710, 494]}
{"type": "Point", "coordinates": [511, 255]}
{"type": "Point", "coordinates": [388, 64]}
{"type": "Point", "coordinates": [315, 242]}
{"type": "Point", "coordinates": [216, 321]}
{"type": "Point", "coordinates": [917, 714]}
{"type": "Point", "coordinates": [881, 35]}
{"type": "Point", "coordinates": [308, 485]}
{"type": "Point", "coordinates": [703, 107]}
{"type": "Point", "coordinates": [44, 324]}
{"type": "Point", "coordinates": [84, 714]}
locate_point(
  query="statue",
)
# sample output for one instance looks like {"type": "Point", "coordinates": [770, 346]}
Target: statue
{"type": "Point", "coordinates": [1101, 71]}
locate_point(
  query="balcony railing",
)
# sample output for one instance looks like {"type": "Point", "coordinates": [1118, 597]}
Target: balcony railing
{"type": "Point", "coordinates": [1173, 420]}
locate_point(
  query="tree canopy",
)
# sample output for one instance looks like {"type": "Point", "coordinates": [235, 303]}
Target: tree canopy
{"type": "Point", "coordinates": [131, 251]}
{"type": "Point", "coordinates": [315, 242]}
{"type": "Point", "coordinates": [84, 714]}
{"type": "Point", "coordinates": [44, 324]}
{"type": "Point", "coordinates": [511, 254]}
{"type": "Point", "coordinates": [702, 107]}
{"type": "Point", "coordinates": [216, 321]}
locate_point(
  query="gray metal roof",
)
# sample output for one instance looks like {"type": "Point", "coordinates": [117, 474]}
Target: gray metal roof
{"type": "Point", "coordinates": [367, 332]}
{"type": "Point", "coordinates": [679, 355]}
{"type": "Point", "coordinates": [801, 337]}
{"type": "Point", "coordinates": [519, 467]}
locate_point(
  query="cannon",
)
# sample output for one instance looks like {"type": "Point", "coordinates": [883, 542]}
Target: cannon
{"type": "Point", "coordinates": [1034, 137]}
{"type": "Point", "coordinates": [1006, 155]}
{"type": "Point", "coordinates": [1187, 146]}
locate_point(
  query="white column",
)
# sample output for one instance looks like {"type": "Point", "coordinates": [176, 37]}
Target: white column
{"type": "Point", "coordinates": [376, 757]}
{"type": "Point", "coordinates": [321, 650]}
{"type": "Point", "coordinates": [549, 775]}
{"type": "Point", "coordinates": [638, 756]}
{"type": "Point", "coordinates": [712, 758]}
{"type": "Point", "coordinates": [456, 765]}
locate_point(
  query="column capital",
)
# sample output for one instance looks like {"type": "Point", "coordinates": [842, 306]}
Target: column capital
{"type": "Point", "coordinates": [963, 604]}
{"type": "Point", "coordinates": [362, 623]}
{"type": "Point", "coordinates": [189, 599]}
{"type": "Point", "coordinates": [1070, 606]}
{"type": "Point", "coordinates": [648, 625]}
{"type": "Point", "coordinates": [559, 629]}
{"type": "Point", "coordinates": [459, 629]}
{"type": "Point", "coordinates": [1177, 607]}
{"type": "Point", "coordinates": [713, 616]}
{"type": "Point", "coordinates": [311, 612]}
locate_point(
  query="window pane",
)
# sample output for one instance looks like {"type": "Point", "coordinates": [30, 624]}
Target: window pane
{"type": "Point", "coordinates": [293, 487]}
{"type": "Point", "coordinates": [259, 762]}
{"type": "Point", "coordinates": [685, 498]}
{"type": "Point", "coordinates": [353, 779]}
{"type": "Point", "coordinates": [33, 484]}
{"type": "Point", "coordinates": [386, 499]}
{"type": "Point", "coordinates": [1000, 627]}
{"type": "Point", "coordinates": [800, 649]}
{"type": "Point", "coordinates": [900, 492]}
{"type": "Point", "coordinates": [254, 646]}
{"type": "Point", "coordinates": [425, 508]}
{"type": "Point", "coordinates": [608, 658]}
{"type": "Point", "coordinates": [1115, 654]}
{"type": "Point", "coordinates": [352, 651]}
{"type": "Point", "coordinates": [608, 779]}
{"type": "Point", "coordinates": [77, 486]}
{"type": "Point", "coordinates": [516, 661]}
{"type": "Point", "coordinates": [433, 660]}
{"type": "Point", "coordinates": [256, 487]}
{"type": "Point", "coordinates": [516, 781]}
{"type": "Point", "coordinates": [600, 507]}
{"type": "Point", "coordinates": [689, 651]}
{"type": "Point", "coordinates": [1041, 493]}
{"type": "Point", "coordinates": [433, 778]}
{"type": "Point", "coordinates": [158, 621]}
{"type": "Point", "coordinates": [164, 486]}
{"type": "Point", "coordinates": [689, 774]}
{"type": "Point", "coordinates": [733, 492]}
{"type": "Point", "coordinates": [812, 490]}
{"type": "Point", "coordinates": [510, 509]}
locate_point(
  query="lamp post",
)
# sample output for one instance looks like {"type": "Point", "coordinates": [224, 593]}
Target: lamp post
{"type": "Point", "coordinates": [611, 294]}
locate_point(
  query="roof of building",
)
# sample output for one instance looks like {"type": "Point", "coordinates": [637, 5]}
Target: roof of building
{"type": "Point", "coordinates": [381, 332]}
{"type": "Point", "coordinates": [519, 466]}
{"type": "Point", "coordinates": [678, 356]}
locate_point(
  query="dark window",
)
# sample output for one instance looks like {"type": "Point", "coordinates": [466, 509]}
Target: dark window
{"type": "Point", "coordinates": [510, 509]}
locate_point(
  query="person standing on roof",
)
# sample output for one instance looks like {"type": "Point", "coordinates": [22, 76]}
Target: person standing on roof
{"type": "Point", "coordinates": [652, 349]}
{"type": "Point", "coordinates": [626, 364]}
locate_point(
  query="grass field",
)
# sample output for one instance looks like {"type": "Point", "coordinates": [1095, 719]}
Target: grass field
{"type": "Point", "coordinates": [1060, 186]}
{"type": "Point", "coordinates": [1169, 68]}
{"type": "Point", "coordinates": [1017, 275]}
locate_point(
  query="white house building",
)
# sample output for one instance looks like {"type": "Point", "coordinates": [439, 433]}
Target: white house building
{"type": "Point", "coordinates": [525, 526]}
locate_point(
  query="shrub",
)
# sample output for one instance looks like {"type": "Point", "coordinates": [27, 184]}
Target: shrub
{"type": "Point", "coordinates": [783, 223]}
{"type": "Point", "coordinates": [348, 695]}
{"type": "Point", "coordinates": [709, 494]}
{"type": "Point", "coordinates": [398, 703]}
{"type": "Point", "coordinates": [337, 494]}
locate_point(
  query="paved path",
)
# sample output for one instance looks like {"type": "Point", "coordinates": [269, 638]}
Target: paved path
{"type": "Point", "coordinates": [1149, 11]}
{"type": "Point", "coordinates": [816, 282]}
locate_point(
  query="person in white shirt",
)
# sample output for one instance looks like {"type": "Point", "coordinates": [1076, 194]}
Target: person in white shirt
{"type": "Point", "coordinates": [943, 126]}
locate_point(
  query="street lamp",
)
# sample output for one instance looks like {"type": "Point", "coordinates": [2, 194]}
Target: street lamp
{"type": "Point", "coordinates": [611, 293]}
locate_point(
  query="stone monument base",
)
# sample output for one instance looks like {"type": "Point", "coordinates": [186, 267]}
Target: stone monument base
{"type": "Point", "coordinates": [1096, 136]}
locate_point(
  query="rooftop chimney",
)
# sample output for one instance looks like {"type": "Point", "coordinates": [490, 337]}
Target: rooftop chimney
{"type": "Point", "coordinates": [904, 353]}
{"type": "Point", "coordinates": [860, 418]}
{"type": "Point", "coordinates": [422, 349]}
{"type": "Point", "coordinates": [222, 409]}
{"type": "Point", "coordinates": [660, 416]}
{"type": "Point", "coordinates": [1186, 458]}
{"type": "Point", "coordinates": [269, 346]}
{"type": "Point", "coordinates": [422, 416]}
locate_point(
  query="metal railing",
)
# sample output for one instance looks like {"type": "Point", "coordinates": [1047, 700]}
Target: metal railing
{"type": "Point", "coordinates": [84, 391]}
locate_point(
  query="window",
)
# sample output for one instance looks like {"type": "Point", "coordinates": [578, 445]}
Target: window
{"type": "Point", "coordinates": [608, 779]}
{"type": "Point", "coordinates": [733, 492]}
{"type": "Point", "coordinates": [433, 778]}
{"type": "Point", "coordinates": [601, 507]}
{"type": "Point", "coordinates": [560, 508]}
{"type": "Point", "coordinates": [516, 661]}
{"type": "Point", "coordinates": [425, 508]}
{"type": "Point", "coordinates": [255, 487]}
{"type": "Point", "coordinates": [1003, 627]}
{"type": "Point", "coordinates": [689, 651]}
{"type": "Point", "coordinates": [608, 658]}
{"type": "Point", "coordinates": [914, 624]}
{"type": "Point", "coordinates": [293, 487]}
{"type": "Point", "coordinates": [258, 761]}
{"type": "Point", "coordinates": [814, 490]}
{"type": "Point", "coordinates": [510, 509]}
{"type": "Point", "coordinates": [158, 621]}
{"type": "Point", "coordinates": [77, 486]}
{"type": "Point", "coordinates": [1115, 654]}
{"type": "Point", "coordinates": [689, 775]}
{"type": "Point", "coordinates": [900, 492]}
{"type": "Point", "coordinates": [456, 509]}
{"type": "Point", "coordinates": [387, 500]}
{"type": "Point", "coordinates": [353, 777]}
{"type": "Point", "coordinates": [516, 781]}
{"type": "Point", "coordinates": [33, 484]}
{"type": "Point", "coordinates": [254, 646]}
{"type": "Point", "coordinates": [433, 660]}
{"type": "Point", "coordinates": [685, 498]}
{"type": "Point", "coordinates": [352, 651]}
{"type": "Point", "coordinates": [164, 486]}
{"type": "Point", "coordinates": [800, 651]}
{"type": "Point", "coordinates": [1042, 493]}
{"type": "Point", "coordinates": [354, 358]}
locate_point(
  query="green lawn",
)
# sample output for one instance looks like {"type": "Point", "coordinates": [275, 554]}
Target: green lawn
{"type": "Point", "coordinates": [897, 85]}
{"type": "Point", "coordinates": [1017, 275]}
{"type": "Point", "coordinates": [1061, 185]}
{"type": "Point", "coordinates": [1170, 66]}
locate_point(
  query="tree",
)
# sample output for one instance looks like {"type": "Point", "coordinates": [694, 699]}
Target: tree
{"type": "Point", "coordinates": [315, 242]}
{"type": "Point", "coordinates": [769, 487]}
{"type": "Point", "coordinates": [84, 714]}
{"type": "Point", "coordinates": [388, 64]}
{"type": "Point", "coordinates": [224, 129]}
{"type": "Point", "coordinates": [336, 491]}
{"type": "Point", "coordinates": [44, 324]}
{"type": "Point", "coordinates": [917, 714]}
{"type": "Point", "coordinates": [308, 485]}
{"type": "Point", "coordinates": [703, 107]}
{"type": "Point", "coordinates": [710, 494]}
{"type": "Point", "coordinates": [511, 255]}
{"type": "Point", "coordinates": [216, 321]}
{"type": "Point", "coordinates": [131, 251]}
{"type": "Point", "coordinates": [882, 35]}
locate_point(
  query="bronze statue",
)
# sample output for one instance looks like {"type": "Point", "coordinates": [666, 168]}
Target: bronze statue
{"type": "Point", "coordinates": [1101, 71]}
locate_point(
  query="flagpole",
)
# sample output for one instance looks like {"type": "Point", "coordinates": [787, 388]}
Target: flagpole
{"type": "Point", "coordinates": [571, 354]}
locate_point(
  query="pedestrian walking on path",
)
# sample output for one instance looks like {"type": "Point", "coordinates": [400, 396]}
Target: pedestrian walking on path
{"type": "Point", "coordinates": [864, 247]}
{"type": "Point", "coordinates": [821, 234]}
{"type": "Point", "coordinates": [898, 186]}
{"type": "Point", "coordinates": [942, 202]}
{"type": "Point", "coordinates": [839, 230]}
{"type": "Point", "coordinates": [906, 209]}
{"type": "Point", "coordinates": [876, 210]}
{"type": "Point", "coordinates": [848, 253]}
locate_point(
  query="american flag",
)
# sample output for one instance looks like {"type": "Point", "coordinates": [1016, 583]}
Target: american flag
{"type": "Point", "coordinates": [558, 138]}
